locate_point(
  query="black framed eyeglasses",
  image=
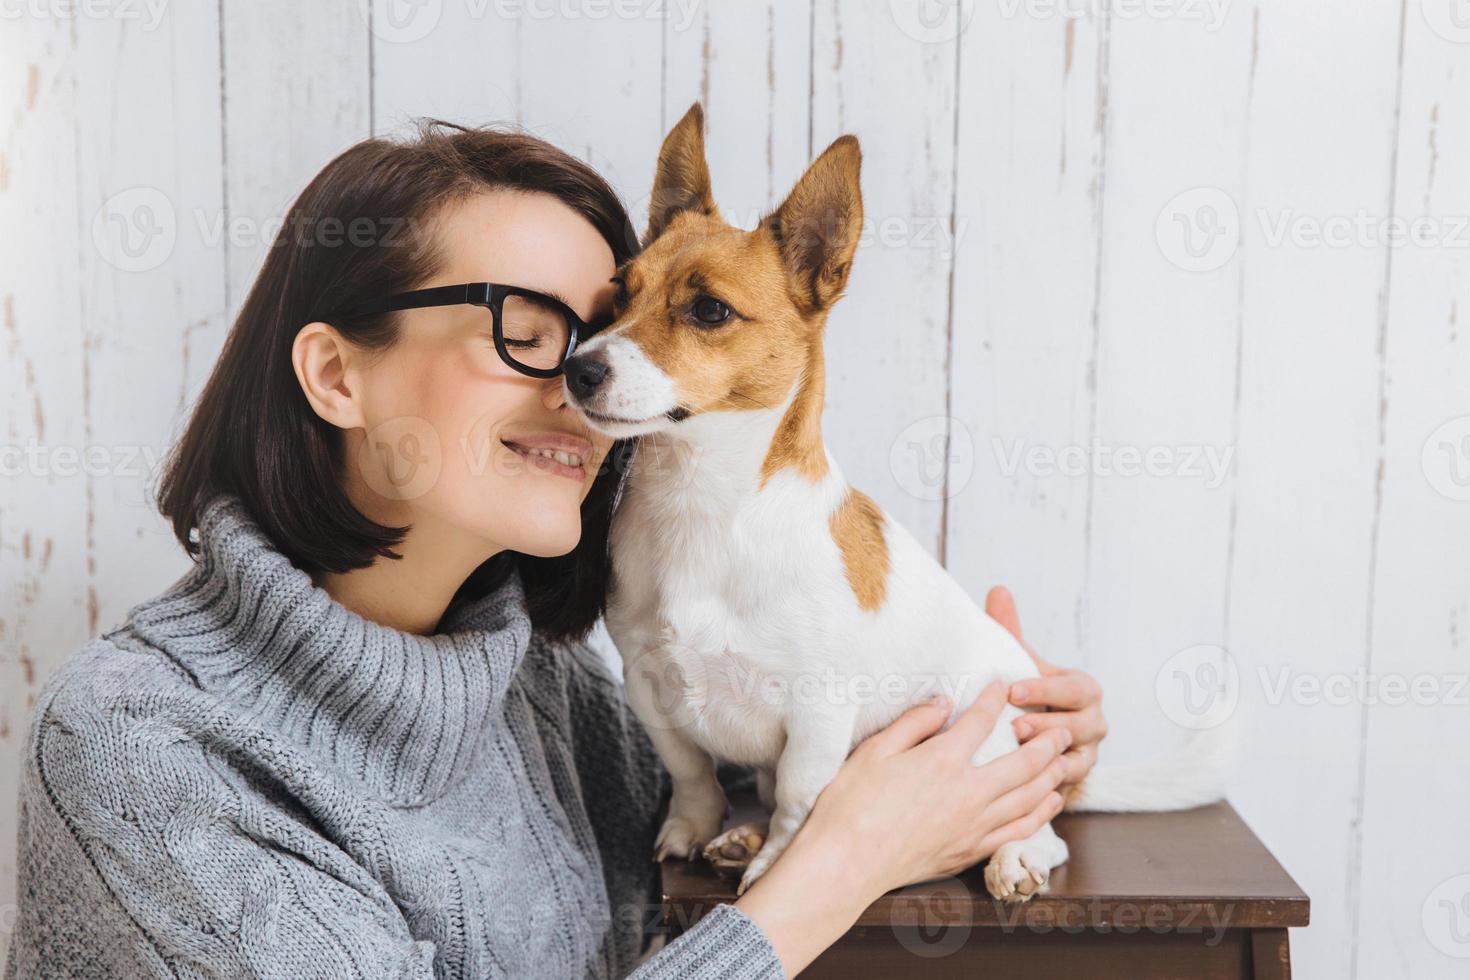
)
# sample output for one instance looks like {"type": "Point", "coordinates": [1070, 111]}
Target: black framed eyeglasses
{"type": "Point", "coordinates": [534, 333]}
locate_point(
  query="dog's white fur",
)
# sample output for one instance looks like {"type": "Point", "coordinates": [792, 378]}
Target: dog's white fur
{"type": "Point", "coordinates": [742, 638]}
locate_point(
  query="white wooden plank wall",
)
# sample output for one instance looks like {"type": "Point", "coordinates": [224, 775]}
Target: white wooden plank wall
{"type": "Point", "coordinates": [1220, 241]}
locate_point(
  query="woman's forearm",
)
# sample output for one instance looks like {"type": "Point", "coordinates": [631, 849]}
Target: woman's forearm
{"type": "Point", "coordinates": [809, 898]}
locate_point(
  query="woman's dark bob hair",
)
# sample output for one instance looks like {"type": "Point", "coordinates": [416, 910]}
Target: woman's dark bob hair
{"type": "Point", "coordinates": [360, 231]}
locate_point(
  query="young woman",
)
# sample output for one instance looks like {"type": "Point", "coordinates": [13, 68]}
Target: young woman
{"type": "Point", "coordinates": [364, 738]}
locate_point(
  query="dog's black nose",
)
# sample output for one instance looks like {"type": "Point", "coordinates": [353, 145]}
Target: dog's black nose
{"type": "Point", "coordinates": [584, 374]}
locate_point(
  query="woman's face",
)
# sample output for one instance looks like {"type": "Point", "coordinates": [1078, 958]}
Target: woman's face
{"type": "Point", "coordinates": [447, 421]}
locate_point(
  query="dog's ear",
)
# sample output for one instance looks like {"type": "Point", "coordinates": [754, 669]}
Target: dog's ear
{"type": "Point", "coordinates": [818, 225]}
{"type": "Point", "coordinates": [682, 180]}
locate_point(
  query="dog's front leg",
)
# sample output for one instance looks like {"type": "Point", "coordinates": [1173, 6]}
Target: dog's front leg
{"type": "Point", "coordinates": [698, 806]}
{"type": "Point", "coordinates": [817, 743]}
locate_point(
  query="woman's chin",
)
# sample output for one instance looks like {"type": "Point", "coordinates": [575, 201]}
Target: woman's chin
{"type": "Point", "coordinates": [550, 539]}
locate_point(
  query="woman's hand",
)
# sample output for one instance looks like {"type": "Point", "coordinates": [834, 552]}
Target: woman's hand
{"type": "Point", "coordinates": [906, 806]}
{"type": "Point", "coordinates": [1073, 699]}
{"type": "Point", "coordinates": [919, 810]}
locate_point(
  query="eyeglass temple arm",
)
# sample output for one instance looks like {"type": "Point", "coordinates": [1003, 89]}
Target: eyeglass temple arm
{"type": "Point", "coordinates": [471, 292]}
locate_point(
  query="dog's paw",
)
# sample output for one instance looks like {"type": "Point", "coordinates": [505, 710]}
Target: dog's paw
{"type": "Point", "coordinates": [734, 850]}
{"type": "Point", "coordinates": [1013, 875]}
{"type": "Point", "coordinates": [694, 817]}
{"type": "Point", "coordinates": [683, 836]}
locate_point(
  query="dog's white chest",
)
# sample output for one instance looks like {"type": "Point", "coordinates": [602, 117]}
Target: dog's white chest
{"type": "Point", "coordinates": [730, 706]}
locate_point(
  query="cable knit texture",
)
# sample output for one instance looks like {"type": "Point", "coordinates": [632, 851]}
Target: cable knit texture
{"type": "Point", "coordinates": [250, 780]}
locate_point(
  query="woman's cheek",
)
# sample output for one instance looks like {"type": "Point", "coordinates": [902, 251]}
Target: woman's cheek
{"type": "Point", "coordinates": [601, 446]}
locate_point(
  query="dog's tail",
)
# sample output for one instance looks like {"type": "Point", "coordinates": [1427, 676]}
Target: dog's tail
{"type": "Point", "coordinates": [1190, 776]}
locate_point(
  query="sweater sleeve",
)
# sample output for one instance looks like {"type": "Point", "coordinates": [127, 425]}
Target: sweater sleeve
{"type": "Point", "coordinates": [137, 860]}
{"type": "Point", "coordinates": [724, 945]}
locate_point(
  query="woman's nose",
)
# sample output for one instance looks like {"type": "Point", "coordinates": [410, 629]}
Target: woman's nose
{"type": "Point", "coordinates": [554, 395]}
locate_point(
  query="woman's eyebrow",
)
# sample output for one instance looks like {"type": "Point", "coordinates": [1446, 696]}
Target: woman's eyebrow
{"type": "Point", "coordinates": [556, 296]}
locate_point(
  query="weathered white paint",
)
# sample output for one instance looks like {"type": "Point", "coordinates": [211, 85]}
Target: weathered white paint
{"type": "Point", "coordinates": [1013, 295]}
{"type": "Point", "coordinates": [1411, 798]}
{"type": "Point", "coordinates": [1307, 423]}
{"type": "Point", "coordinates": [886, 345]}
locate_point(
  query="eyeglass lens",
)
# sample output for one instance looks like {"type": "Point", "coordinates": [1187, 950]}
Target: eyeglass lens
{"type": "Point", "coordinates": [536, 335]}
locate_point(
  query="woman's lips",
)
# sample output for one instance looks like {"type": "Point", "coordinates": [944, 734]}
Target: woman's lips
{"type": "Point", "coordinates": [558, 462]}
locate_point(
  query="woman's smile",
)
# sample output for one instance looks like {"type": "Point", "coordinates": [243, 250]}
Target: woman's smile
{"type": "Point", "coordinates": [561, 454]}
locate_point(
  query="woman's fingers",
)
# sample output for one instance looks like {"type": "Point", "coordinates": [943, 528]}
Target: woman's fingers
{"type": "Point", "coordinates": [1086, 726]}
{"type": "Point", "coordinates": [1080, 762]}
{"type": "Point", "coordinates": [1023, 799]}
{"type": "Point", "coordinates": [1067, 690]}
{"type": "Point", "coordinates": [977, 721]}
{"type": "Point", "coordinates": [1000, 606]}
{"type": "Point", "coordinates": [1024, 764]}
{"type": "Point", "coordinates": [1086, 730]}
{"type": "Point", "coordinates": [908, 729]}
{"type": "Point", "coordinates": [1023, 827]}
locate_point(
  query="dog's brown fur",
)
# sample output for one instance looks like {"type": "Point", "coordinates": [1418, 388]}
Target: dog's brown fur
{"type": "Point", "coordinates": [857, 527]}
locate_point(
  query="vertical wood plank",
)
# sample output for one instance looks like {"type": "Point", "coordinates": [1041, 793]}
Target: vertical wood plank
{"type": "Point", "coordinates": [1164, 336]}
{"type": "Point", "coordinates": [1028, 216]}
{"type": "Point", "coordinates": [748, 65]}
{"type": "Point", "coordinates": [879, 73]}
{"type": "Point", "coordinates": [593, 85]}
{"type": "Point", "coordinates": [457, 61]}
{"type": "Point", "coordinates": [297, 93]}
{"type": "Point", "coordinates": [43, 591]}
{"type": "Point", "coordinates": [1410, 889]}
{"type": "Point", "coordinates": [587, 78]}
{"type": "Point", "coordinates": [114, 139]}
{"type": "Point", "coordinates": [1270, 954]}
{"type": "Point", "coordinates": [152, 276]}
{"type": "Point", "coordinates": [1318, 149]}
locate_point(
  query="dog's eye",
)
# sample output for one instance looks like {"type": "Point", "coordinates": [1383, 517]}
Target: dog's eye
{"type": "Point", "coordinates": [620, 292]}
{"type": "Point", "coordinates": [709, 311]}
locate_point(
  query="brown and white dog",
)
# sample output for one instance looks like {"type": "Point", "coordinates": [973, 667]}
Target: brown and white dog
{"type": "Point", "coordinates": [768, 613]}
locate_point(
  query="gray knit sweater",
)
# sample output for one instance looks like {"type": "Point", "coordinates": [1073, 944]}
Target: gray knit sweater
{"type": "Point", "coordinates": [249, 780]}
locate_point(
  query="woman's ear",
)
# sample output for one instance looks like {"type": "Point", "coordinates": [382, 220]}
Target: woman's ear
{"type": "Point", "coordinates": [323, 362]}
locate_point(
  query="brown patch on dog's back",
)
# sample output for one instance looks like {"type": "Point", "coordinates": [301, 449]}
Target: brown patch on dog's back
{"type": "Point", "coordinates": [857, 527]}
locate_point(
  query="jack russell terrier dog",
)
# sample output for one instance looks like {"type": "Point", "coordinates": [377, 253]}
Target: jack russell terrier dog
{"type": "Point", "coordinates": [767, 613]}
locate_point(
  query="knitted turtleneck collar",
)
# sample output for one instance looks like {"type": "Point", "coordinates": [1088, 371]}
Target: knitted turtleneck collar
{"type": "Point", "coordinates": [397, 711]}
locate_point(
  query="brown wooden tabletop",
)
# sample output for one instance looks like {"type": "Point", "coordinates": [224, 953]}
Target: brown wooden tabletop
{"type": "Point", "coordinates": [1199, 870]}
